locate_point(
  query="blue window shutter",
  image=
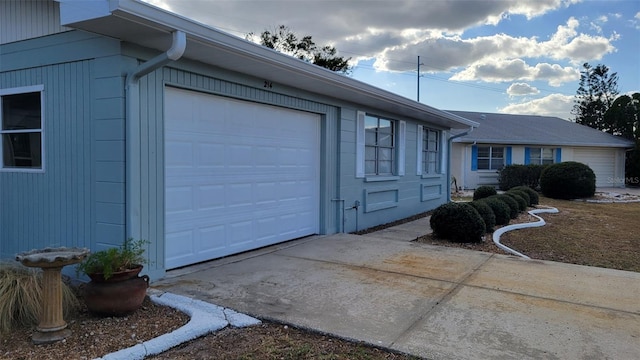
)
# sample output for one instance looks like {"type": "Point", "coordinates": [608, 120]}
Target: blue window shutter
{"type": "Point", "coordinates": [474, 157]}
{"type": "Point", "coordinates": [527, 156]}
{"type": "Point", "coordinates": [559, 155]}
{"type": "Point", "coordinates": [508, 155]}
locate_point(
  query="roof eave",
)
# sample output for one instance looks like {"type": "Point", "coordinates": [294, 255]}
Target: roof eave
{"type": "Point", "coordinates": [157, 24]}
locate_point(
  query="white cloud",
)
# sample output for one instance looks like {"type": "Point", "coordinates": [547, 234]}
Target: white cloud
{"type": "Point", "coordinates": [517, 69]}
{"type": "Point", "coordinates": [553, 105]}
{"type": "Point", "coordinates": [522, 89]}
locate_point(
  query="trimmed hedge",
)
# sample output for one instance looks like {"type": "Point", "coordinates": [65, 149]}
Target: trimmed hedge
{"type": "Point", "coordinates": [523, 194]}
{"type": "Point", "coordinates": [514, 210]}
{"type": "Point", "coordinates": [486, 213]}
{"type": "Point", "coordinates": [484, 192]}
{"type": "Point", "coordinates": [522, 203]}
{"type": "Point", "coordinates": [501, 210]}
{"type": "Point", "coordinates": [568, 180]}
{"type": "Point", "coordinates": [458, 222]}
{"type": "Point", "coordinates": [511, 176]}
{"type": "Point", "coordinates": [534, 199]}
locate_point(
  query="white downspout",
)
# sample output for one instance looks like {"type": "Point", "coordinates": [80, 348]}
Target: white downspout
{"type": "Point", "coordinates": [449, 142]}
{"type": "Point", "coordinates": [132, 139]}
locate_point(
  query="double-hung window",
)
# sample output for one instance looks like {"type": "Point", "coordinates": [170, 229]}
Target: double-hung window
{"type": "Point", "coordinates": [490, 157]}
{"type": "Point", "coordinates": [541, 156]}
{"type": "Point", "coordinates": [21, 131]}
{"type": "Point", "coordinates": [430, 151]}
{"type": "Point", "coordinates": [379, 156]}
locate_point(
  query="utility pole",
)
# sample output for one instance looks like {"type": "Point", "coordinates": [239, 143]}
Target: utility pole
{"type": "Point", "coordinates": [419, 63]}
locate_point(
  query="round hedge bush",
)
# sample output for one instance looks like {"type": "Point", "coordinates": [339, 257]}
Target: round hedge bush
{"type": "Point", "coordinates": [458, 222]}
{"type": "Point", "coordinates": [534, 199]}
{"type": "Point", "coordinates": [486, 213]}
{"type": "Point", "coordinates": [522, 194]}
{"type": "Point", "coordinates": [522, 203]}
{"type": "Point", "coordinates": [484, 192]}
{"type": "Point", "coordinates": [568, 180]}
{"type": "Point", "coordinates": [501, 211]}
{"type": "Point", "coordinates": [514, 210]}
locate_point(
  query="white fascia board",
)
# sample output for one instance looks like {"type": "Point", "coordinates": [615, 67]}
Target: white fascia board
{"type": "Point", "coordinates": [78, 11]}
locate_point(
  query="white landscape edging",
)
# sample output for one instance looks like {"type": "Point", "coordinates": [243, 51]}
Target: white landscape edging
{"type": "Point", "coordinates": [504, 229]}
{"type": "Point", "coordinates": [205, 318]}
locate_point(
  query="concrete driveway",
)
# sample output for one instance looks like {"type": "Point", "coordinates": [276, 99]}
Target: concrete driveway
{"type": "Point", "coordinates": [430, 301]}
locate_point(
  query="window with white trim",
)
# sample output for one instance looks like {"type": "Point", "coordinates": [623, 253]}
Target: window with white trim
{"type": "Point", "coordinates": [21, 130]}
{"type": "Point", "coordinates": [379, 156]}
{"type": "Point", "coordinates": [430, 151]}
{"type": "Point", "coordinates": [490, 157]}
{"type": "Point", "coordinates": [541, 156]}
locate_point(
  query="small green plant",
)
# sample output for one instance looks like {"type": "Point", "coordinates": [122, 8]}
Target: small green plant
{"type": "Point", "coordinates": [486, 213]}
{"type": "Point", "coordinates": [484, 192]}
{"type": "Point", "coordinates": [568, 180]}
{"type": "Point", "coordinates": [21, 296]}
{"type": "Point", "coordinates": [500, 210]}
{"type": "Point", "coordinates": [107, 262]}
{"type": "Point", "coordinates": [458, 222]}
{"type": "Point", "coordinates": [523, 194]}
{"type": "Point", "coordinates": [533, 195]}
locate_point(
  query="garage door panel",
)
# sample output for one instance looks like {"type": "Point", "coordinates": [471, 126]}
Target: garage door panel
{"type": "Point", "coordinates": [601, 161]}
{"type": "Point", "coordinates": [239, 175]}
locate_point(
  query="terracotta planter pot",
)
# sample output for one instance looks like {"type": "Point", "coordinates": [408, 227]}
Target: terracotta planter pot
{"type": "Point", "coordinates": [116, 298]}
{"type": "Point", "coordinates": [117, 276]}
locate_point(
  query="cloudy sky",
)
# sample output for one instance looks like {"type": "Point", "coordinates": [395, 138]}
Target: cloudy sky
{"type": "Point", "coordinates": [521, 56]}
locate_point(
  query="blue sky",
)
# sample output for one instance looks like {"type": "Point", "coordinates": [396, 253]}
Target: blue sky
{"type": "Point", "coordinates": [521, 57]}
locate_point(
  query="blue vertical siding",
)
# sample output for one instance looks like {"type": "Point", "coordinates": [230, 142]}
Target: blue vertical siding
{"type": "Point", "coordinates": [52, 208]}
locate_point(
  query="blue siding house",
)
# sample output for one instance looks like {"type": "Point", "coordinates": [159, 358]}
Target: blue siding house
{"type": "Point", "coordinates": [120, 119]}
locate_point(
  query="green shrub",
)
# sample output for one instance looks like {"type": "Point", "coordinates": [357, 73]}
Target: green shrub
{"type": "Point", "coordinates": [458, 222]}
{"type": "Point", "coordinates": [501, 211]}
{"type": "Point", "coordinates": [486, 213]}
{"type": "Point", "coordinates": [533, 195]}
{"type": "Point", "coordinates": [522, 203]}
{"type": "Point", "coordinates": [568, 180]}
{"type": "Point", "coordinates": [523, 194]}
{"type": "Point", "coordinates": [483, 192]}
{"type": "Point", "coordinates": [511, 176]}
{"type": "Point", "coordinates": [514, 209]}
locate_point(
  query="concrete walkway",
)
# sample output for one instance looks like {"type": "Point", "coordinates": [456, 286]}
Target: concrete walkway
{"type": "Point", "coordinates": [433, 302]}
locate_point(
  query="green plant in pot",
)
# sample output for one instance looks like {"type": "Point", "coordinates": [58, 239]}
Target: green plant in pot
{"type": "Point", "coordinates": [115, 287]}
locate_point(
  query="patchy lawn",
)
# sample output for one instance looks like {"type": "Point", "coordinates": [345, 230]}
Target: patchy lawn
{"type": "Point", "coordinates": [595, 234]}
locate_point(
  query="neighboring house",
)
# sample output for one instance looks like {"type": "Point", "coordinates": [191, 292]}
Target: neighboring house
{"type": "Point", "coordinates": [504, 139]}
{"type": "Point", "coordinates": [120, 119]}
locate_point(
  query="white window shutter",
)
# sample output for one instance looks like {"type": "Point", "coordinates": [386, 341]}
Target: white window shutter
{"type": "Point", "coordinates": [402, 142]}
{"type": "Point", "coordinates": [444, 159]}
{"type": "Point", "coordinates": [360, 144]}
{"type": "Point", "coordinates": [419, 150]}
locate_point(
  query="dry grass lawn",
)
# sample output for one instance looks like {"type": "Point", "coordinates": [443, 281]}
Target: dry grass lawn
{"type": "Point", "coordinates": [596, 234]}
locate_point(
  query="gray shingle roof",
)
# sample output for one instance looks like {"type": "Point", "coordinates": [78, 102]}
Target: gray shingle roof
{"type": "Point", "coordinates": [534, 130]}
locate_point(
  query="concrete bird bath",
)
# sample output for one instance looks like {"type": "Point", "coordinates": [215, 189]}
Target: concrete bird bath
{"type": "Point", "coordinates": [52, 326]}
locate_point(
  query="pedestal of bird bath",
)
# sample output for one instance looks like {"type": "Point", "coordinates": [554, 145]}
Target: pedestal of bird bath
{"type": "Point", "coordinates": [52, 326]}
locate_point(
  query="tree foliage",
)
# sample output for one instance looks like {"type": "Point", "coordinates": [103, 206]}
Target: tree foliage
{"type": "Point", "coordinates": [595, 95]}
{"type": "Point", "coordinates": [284, 40]}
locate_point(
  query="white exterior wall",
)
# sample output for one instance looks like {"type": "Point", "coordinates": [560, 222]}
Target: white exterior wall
{"type": "Point", "coordinates": [468, 179]}
{"type": "Point", "coordinates": [21, 20]}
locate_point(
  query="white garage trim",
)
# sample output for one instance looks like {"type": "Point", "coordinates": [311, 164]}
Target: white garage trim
{"type": "Point", "coordinates": [238, 176]}
{"type": "Point", "coordinates": [601, 161]}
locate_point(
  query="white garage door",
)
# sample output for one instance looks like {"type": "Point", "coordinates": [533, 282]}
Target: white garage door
{"type": "Point", "coordinates": [239, 176]}
{"type": "Point", "coordinates": [601, 161]}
